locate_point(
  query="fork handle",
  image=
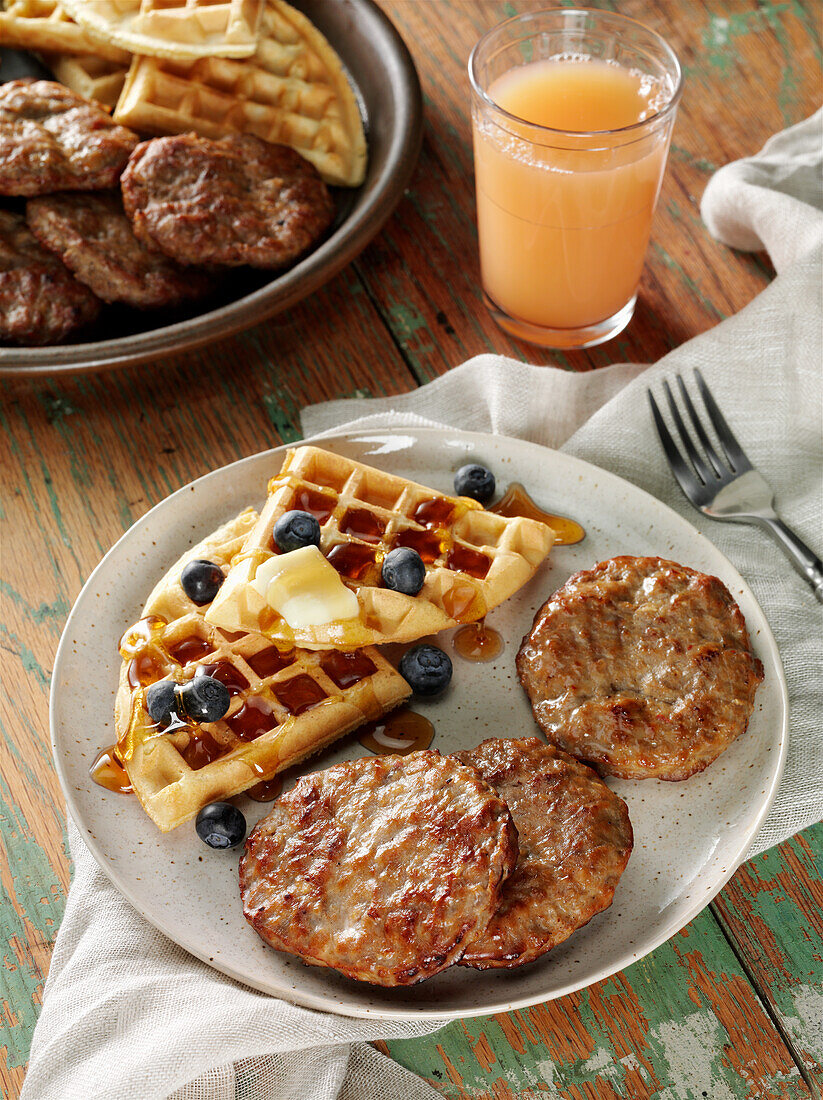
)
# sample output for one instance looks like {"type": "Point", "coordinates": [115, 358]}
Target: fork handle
{"type": "Point", "coordinates": [805, 561]}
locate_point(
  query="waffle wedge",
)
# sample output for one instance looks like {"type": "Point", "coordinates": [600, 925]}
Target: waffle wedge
{"type": "Point", "coordinates": [474, 559]}
{"type": "Point", "coordinates": [44, 25]}
{"type": "Point", "coordinates": [173, 28]}
{"type": "Point", "coordinates": [293, 91]}
{"type": "Point", "coordinates": [93, 77]}
{"type": "Point", "coordinates": [285, 705]}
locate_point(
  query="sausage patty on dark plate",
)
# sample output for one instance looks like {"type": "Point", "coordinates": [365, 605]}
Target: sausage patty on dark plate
{"type": "Point", "coordinates": [236, 201]}
{"type": "Point", "coordinates": [93, 237]}
{"type": "Point", "coordinates": [382, 868]}
{"type": "Point", "coordinates": [641, 667]}
{"type": "Point", "coordinates": [52, 139]}
{"type": "Point", "coordinates": [575, 840]}
{"type": "Point", "coordinates": [40, 301]}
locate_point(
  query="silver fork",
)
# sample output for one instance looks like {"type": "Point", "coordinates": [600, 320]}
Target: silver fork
{"type": "Point", "coordinates": [733, 490]}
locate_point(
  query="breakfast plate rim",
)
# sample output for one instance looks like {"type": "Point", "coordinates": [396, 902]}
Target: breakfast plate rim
{"type": "Point", "coordinates": [766, 644]}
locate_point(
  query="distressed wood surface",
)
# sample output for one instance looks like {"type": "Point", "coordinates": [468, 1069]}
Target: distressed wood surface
{"type": "Point", "coordinates": [728, 1008]}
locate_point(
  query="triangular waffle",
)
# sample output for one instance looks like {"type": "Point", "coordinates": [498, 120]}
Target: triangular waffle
{"type": "Point", "coordinates": [474, 559]}
{"type": "Point", "coordinates": [293, 91]}
{"type": "Point", "coordinates": [43, 25]}
{"type": "Point", "coordinates": [173, 28]}
{"type": "Point", "coordinates": [303, 700]}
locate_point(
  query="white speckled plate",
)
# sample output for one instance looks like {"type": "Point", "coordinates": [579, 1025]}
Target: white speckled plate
{"type": "Point", "coordinates": [689, 837]}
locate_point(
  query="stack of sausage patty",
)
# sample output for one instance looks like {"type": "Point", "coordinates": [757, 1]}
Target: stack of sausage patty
{"type": "Point", "coordinates": [390, 869]}
{"type": "Point", "coordinates": [149, 225]}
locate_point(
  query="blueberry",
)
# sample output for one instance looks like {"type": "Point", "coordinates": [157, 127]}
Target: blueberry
{"type": "Point", "coordinates": [201, 580]}
{"type": "Point", "coordinates": [426, 669]}
{"type": "Point", "coordinates": [204, 699]}
{"type": "Point", "coordinates": [220, 825]}
{"type": "Point", "coordinates": [295, 530]}
{"type": "Point", "coordinates": [161, 702]}
{"type": "Point", "coordinates": [474, 481]}
{"type": "Point", "coordinates": [403, 571]}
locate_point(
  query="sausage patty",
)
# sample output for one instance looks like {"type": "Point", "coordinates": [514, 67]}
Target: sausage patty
{"type": "Point", "coordinates": [236, 201]}
{"type": "Point", "coordinates": [382, 868]}
{"type": "Point", "coordinates": [93, 237]}
{"type": "Point", "coordinates": [575, 841]}
{"type": "Point", "coordinates": [40, 302]}
{"type": "Point", "coordinates": [641, 667]}
{"type": "Point", "coordinates": [52, 139]}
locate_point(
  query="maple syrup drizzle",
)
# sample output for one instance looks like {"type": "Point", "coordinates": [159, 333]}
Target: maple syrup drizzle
{"type": "Point", "coordinates": [300, 694]}
{"type": "Point", "coordinates": [427, 543]}
{"type": "Point", "coordinates": [464, 559]}
{"type": "Point", "coordinates": [346, 669]}
{"type": "Point", "coordinates": [108, 771]}
{"type": "Point", "coordinates": [201, 750]}
{"type": "Point", "coordinates": [362, 524]}
{"type": "Point", "coordinates": [266, 790]}
{"type": "Point", "coordinates": [142, 634]}
{"type": "Point", "coordinates": [464, 603]}
{"type": "Point", "coordinates": [404, 731]}
{"type": "Point", "coordinates": [437, 512]}
{"type": "Point", "coordinates": [190, 649]}
{"type": "Point", "coordinates": [227, 674]}
{"type": "Point", "coordinates": [517, 502]}
{"type": "Point", "coordinates": [254, 718]}
{"type": "Point", "coordinates": [478, 642]}
{"type": "Point", "coordinates": [143, 670]}
{"type": "Point", "coordinates": [353, 559]}
{"type": "Point", "coordinates": [268, 661]}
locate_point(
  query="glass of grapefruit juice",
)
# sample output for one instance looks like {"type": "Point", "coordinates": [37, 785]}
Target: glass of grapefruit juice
{"type": "Point", "coordinates": [572, 114]}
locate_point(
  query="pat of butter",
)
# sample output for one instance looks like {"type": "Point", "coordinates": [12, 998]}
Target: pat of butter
{"type": "Point", "coordinates": [305, 589]}
{"type": "Point", "coordinates": [301, 586]}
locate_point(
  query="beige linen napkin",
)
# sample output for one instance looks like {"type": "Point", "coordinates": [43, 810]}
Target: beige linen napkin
{"type": "Point", "coordinates": [128, 1014]}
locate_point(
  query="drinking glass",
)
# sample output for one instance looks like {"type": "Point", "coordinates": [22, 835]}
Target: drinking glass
{"type": "Point", "coordinates": [564, 216]}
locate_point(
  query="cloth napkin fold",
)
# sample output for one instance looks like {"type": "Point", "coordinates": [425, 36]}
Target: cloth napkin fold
{"type": "Point", "coordinates": [128, 1013]}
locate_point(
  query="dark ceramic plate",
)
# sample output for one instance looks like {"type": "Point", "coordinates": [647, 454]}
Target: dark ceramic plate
{"type": "Point", "coordinates": [388, 88]}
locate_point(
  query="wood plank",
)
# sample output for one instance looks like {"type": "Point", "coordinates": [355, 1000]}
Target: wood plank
{"type": "Point", "coordinates": [423, 271]}
{"type": "Point", "coordinates": [772, 911]}
{"type": "Point", "coordinates": [682, 1023]}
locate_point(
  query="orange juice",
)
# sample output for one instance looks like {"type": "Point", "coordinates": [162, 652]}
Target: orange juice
{"type": "Point", "coordinates": [564, 214]}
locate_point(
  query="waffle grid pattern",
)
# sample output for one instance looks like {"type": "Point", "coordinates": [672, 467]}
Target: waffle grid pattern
{"type": "Point", "coordinates": [293, 92]}
{"type": "Point", "coordinates": [300, 701]}
{"type": "Point", "coordinates": [182, 28]}
{"type": "Point", "coordinates": [474, 559]}
{"type": "Point", "coordinates": [44, 25]}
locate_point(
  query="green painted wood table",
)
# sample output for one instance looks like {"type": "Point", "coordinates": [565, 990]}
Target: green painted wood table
{"type": "Point", "coordinates": [731, 1006]}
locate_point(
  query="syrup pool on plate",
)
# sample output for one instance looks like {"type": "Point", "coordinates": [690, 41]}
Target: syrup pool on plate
{"type": "Point", "coordinates": [478, 642]}
{"type": "Point", "coordinates": [108, 771]}
{"type": "Point", "coordinates": [403, 731]}
{"type": "Point", "coordinates": [517, 502]}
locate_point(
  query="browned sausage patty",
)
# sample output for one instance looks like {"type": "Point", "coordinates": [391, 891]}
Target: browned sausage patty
{"type": "Point", "coordinates": [40, 302]}
{"type": "Point", "coordinates": [93, 237]}
{"type": "Point", "coordinates": [236, 201]}
{"type": "Point", "coordinates": [52, 139]}
{"type": "Point", "coordinates": [641, 667]}
{"type": "Point", "coordinates": [575, 841]}
{"type": "Point", "coordinates": [383, 868]}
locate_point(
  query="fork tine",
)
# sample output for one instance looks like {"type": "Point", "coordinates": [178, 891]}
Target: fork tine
{"type": "Point", "coordinates": [734, 452]}
{"type": "Point", "coordinates": [703, 471]}
{"type": "Point", "coordinates": [684, 475]}
{"type": "Point", "coordinates": [712, 455]}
